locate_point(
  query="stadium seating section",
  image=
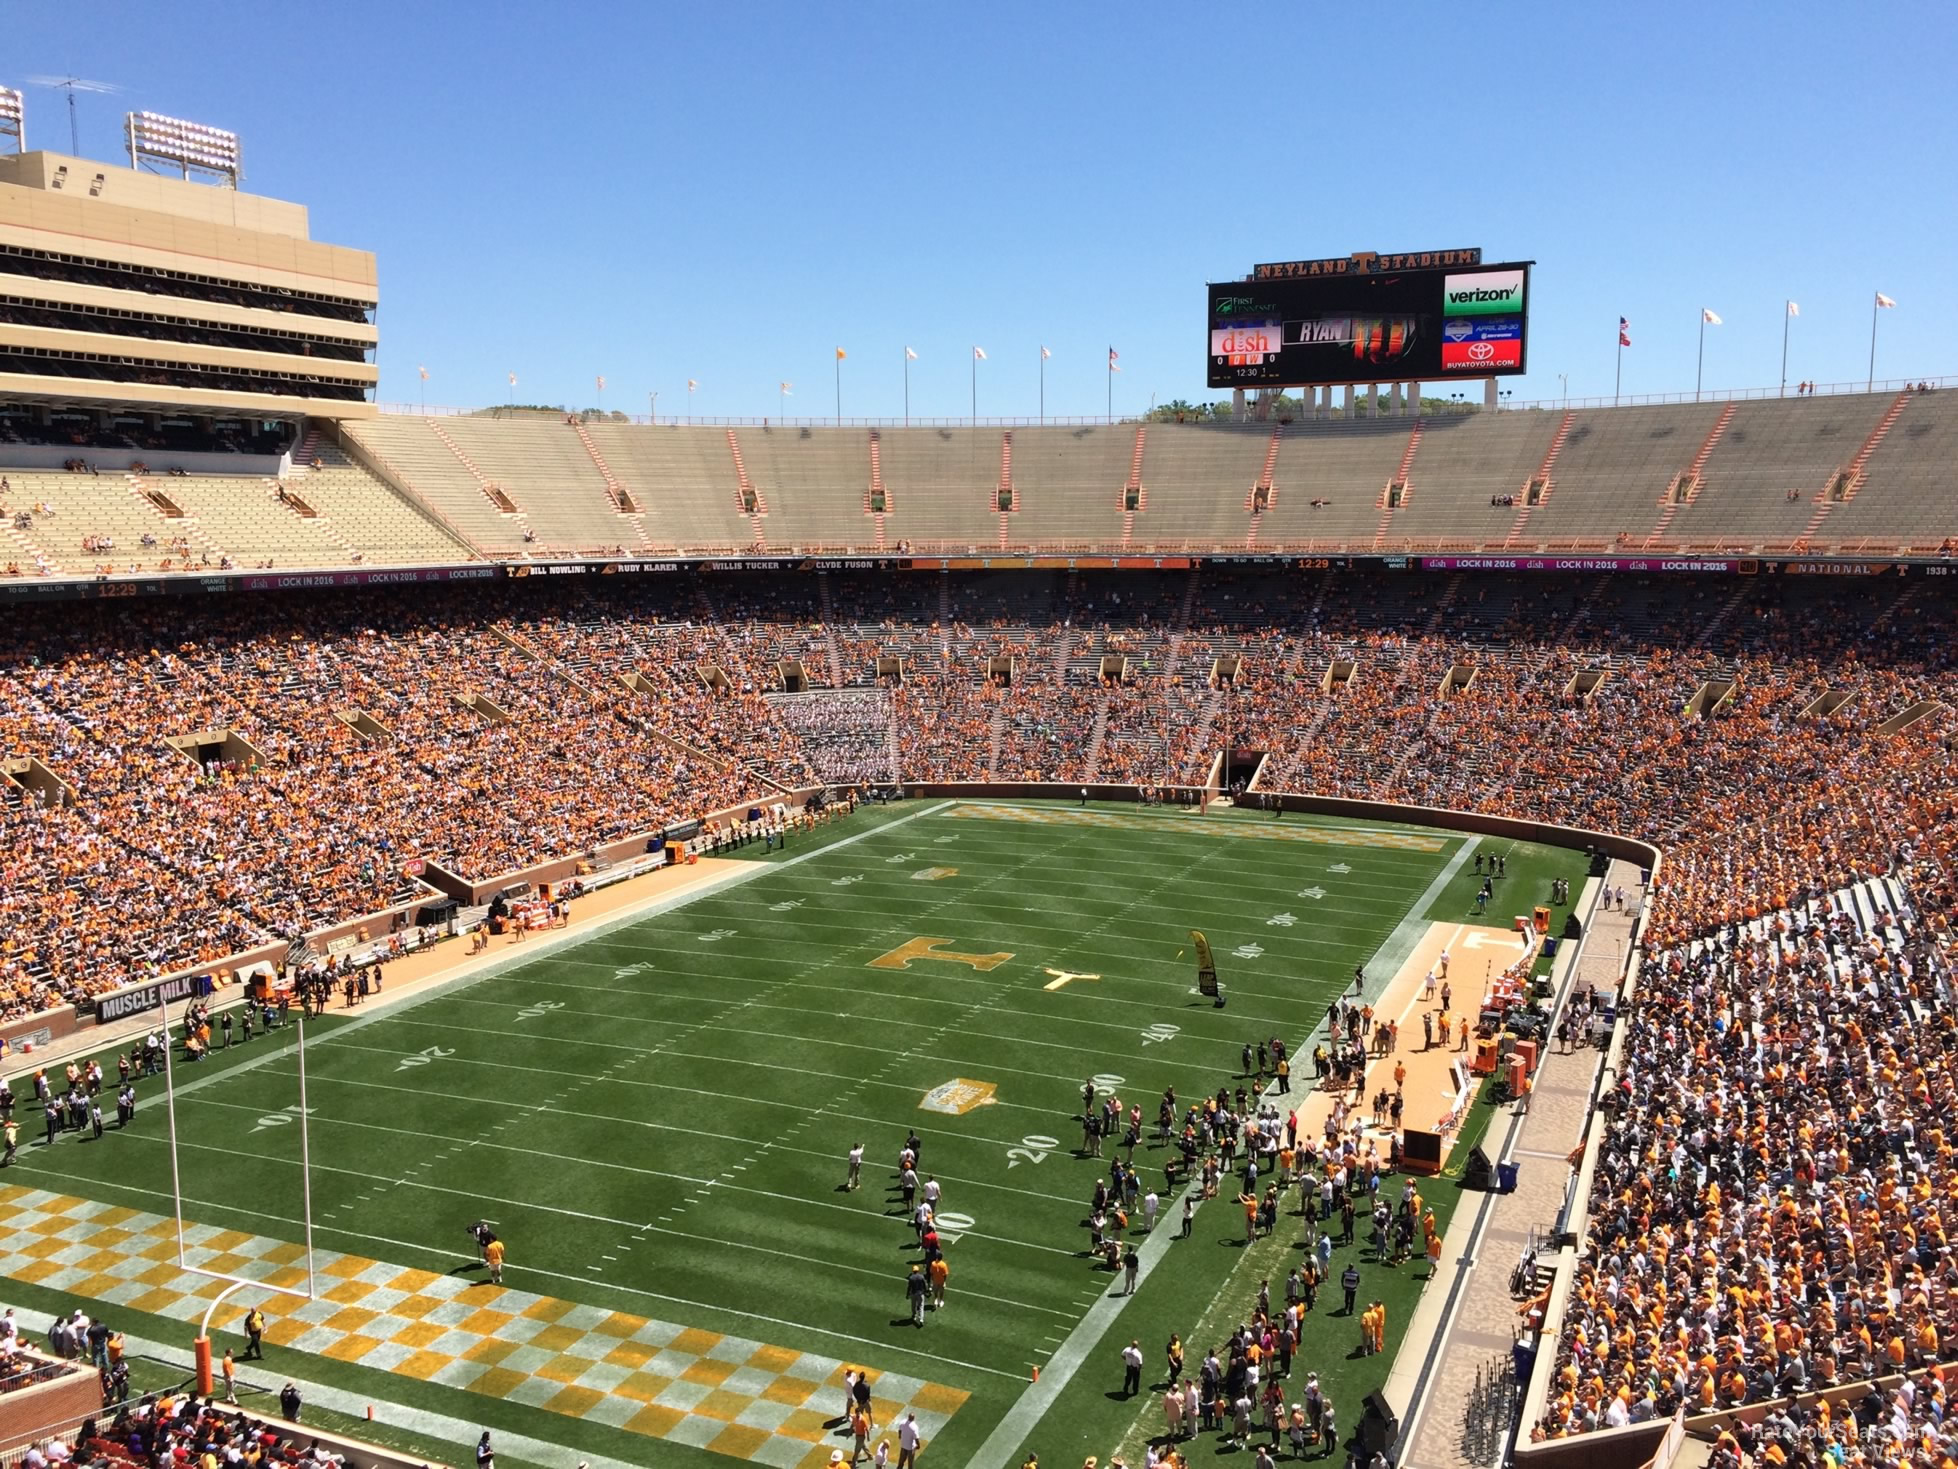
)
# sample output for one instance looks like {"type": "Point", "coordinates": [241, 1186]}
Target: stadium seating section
{"type": "Point", "coordinates": [491, 726]}
{"type": "Point", "coordinates": [182, 779]}
{"type": "Point", "coordinates": [1857, 474]}
{"type": "Point", "coordinates": [188, 778]}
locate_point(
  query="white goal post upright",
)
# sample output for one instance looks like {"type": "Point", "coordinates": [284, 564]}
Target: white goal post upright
{"type": "Point", "coordinates": [202, 1344]}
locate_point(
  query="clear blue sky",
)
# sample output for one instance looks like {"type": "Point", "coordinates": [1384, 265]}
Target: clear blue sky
{"type": "Point", "coordinates": [729, 192]}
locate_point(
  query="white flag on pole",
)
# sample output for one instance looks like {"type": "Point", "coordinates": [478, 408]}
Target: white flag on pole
{"type": "Point", "coordinates": [978, 354]}
{"type": "Point", "coordinates": [1709, 317]}
{"type": "Point", "coordinates": [909, 355]}
{"type": "Point", "coordinates": [1045, 353]}
{"type": "Point", "coordinates": [1793, 309]}
{"type": "Point", "coordinates": [1883, 300]}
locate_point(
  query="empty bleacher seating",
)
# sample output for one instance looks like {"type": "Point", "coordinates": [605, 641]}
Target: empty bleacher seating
{"type": "Point", "coordinates": [1863, 472]}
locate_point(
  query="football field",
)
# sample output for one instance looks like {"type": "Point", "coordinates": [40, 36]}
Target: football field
{"type": "Point", "coordinates": [656, 1120]}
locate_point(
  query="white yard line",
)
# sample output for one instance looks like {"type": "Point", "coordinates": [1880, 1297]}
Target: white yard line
{"type": "Point", "coordinates": [910, 998]}
{"type": "Point", "coordinates": [895, 1345]}
{"type": "Point", "coordinates": [1061, 1365]}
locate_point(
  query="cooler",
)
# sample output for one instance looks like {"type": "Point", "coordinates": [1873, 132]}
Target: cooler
{"type": "Point", "coordinates": [1485, 1057]}
{"type": "Point", "coordinates": [1526, 1053]}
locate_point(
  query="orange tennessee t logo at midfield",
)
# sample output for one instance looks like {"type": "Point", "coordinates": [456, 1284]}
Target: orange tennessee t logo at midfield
{"type": "Point", "coordinates": [903, 954]}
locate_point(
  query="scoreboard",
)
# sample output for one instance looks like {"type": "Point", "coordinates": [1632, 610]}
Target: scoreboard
{"type": "Point", "coordinates": [1385, 326]}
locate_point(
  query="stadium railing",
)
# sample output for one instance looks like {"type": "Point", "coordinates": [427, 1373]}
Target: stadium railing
{"type": "Point", "coordinates": [1304, 414]}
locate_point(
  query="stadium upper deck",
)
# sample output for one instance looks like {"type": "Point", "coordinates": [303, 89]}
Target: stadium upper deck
{"type": "Point", "coordinates": [1861, 475]}
{"type": "Point", "coordinates": [155, 299]}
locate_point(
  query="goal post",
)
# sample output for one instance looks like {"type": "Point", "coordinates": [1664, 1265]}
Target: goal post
{"type": "Point", "coordinates": [201, 1345]}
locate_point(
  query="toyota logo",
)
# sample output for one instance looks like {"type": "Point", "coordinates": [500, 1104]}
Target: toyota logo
{"type": "Point", "coordinates": [1481, 351]}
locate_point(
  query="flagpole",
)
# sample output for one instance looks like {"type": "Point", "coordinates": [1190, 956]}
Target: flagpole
{"type": "Point", "coordinates": [1043, 384]}
{"type": "Point", "coordinates": [1111, 389]}
{"type": "Point", "coordinates": [1699, 370]}
{"type": "Point", "coordinates": [1870, 382]}
{"type": "Point", "coordinates": [1618, 373]}
{"type": "Point", "coordinates": [1784, 351]}
{"type": "Point", "coordinates": [975, 389]}
{"type": "Point", "coordinates": [839, 392]}
{"type": "Point", "coordinates": [907, 387]}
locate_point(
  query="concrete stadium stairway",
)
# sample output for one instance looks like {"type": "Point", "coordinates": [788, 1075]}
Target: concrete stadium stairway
{"type": "Point", "coordinates": [1462, 1383]}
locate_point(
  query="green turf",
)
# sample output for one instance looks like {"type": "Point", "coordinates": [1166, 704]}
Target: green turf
{"type": "Point", "coordinates": [677, 1094]}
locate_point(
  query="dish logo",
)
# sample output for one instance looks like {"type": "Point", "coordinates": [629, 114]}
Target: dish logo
{"type": "Point", "coordinates": [1482, 293]}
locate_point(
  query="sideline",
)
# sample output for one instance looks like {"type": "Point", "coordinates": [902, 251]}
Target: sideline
{"type": "Point", "coordinates": [1034, 1403]}
{"type": "Point", "coordinates": [1316, 820]}
{"type": "Point", "coordinates": [1466, 1258]}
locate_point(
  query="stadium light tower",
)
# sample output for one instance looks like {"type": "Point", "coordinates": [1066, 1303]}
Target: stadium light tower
{"type": "Point", "coordinates": [189, 147]}
{"type": "Point", "coordinates": [13, 114]}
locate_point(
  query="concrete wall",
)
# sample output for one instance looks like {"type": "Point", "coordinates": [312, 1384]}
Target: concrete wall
{"type": "Point", "coordinates": [40, 1030]}
{"type": "Point", "coordinates": [1609, 1448]}
{"type": "Point", "coordinates": [40, 1412]}
{"type": "Point", "coordinates": [471, 891]}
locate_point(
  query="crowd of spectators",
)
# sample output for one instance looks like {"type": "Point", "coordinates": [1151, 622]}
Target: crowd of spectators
{"type": "Point", "coordinates": [509, 727]}
{"type": "Point", "coordinates": [1773, 1199]}
{"type": "Point", "coordinates": [179, 1428]}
